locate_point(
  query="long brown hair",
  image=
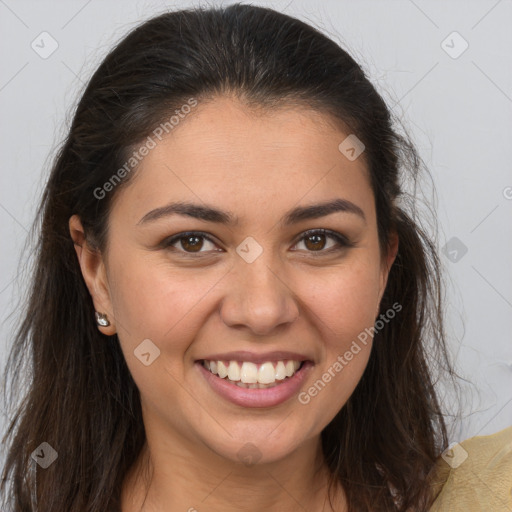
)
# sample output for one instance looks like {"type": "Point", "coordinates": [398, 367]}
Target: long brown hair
{"type": "Point", "coordinates": [80, 397]}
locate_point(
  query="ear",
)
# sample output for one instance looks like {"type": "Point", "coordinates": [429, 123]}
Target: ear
{"type": "Point", "coordinates": [94, 274]}
{"type": "Point", "coordinates": [386, 265]}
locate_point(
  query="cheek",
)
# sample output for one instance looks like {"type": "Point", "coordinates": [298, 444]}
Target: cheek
{"type": "Point", "coordinates": [153, 300]}
{"type": "Point", "coordinates": [343, 309]}
{"type": "Point", "coordinates": [345, 299]}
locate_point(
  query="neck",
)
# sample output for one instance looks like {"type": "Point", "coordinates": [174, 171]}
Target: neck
{"type": "Point", "coordinates": [192, 478]}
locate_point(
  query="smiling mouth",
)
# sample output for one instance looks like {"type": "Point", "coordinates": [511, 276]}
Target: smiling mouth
{"type": "Point", "coordinates": [246, 374]}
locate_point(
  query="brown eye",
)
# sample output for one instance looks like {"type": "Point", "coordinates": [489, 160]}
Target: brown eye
{"type": "Point", "coordinates": [189, 243]}
{"type": "Point", "coordinates": [317, 241]}
{"type": "Point", "coordinates": [192, 243]}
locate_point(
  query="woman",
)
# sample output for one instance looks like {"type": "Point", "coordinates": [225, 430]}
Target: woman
{"type": "Point", "coordinates": [233, 308]}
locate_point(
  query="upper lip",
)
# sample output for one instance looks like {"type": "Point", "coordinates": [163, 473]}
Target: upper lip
{"type": "Point", "coordinates": [244, 355]}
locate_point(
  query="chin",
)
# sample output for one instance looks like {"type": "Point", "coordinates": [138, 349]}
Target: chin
{"type": "Point", "coordinates": [251, 450]}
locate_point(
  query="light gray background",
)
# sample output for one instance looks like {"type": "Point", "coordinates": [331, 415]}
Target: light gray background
{"type": "Point", "coordinates": [458, 111]}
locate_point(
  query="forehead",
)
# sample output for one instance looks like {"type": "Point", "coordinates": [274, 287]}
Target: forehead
{"type": "Point", "coordinates": [226, 128]}
{"type": "Point", "coordinates": [225, 153]}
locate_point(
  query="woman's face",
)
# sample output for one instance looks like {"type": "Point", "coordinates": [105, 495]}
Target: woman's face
{"type": "Point", "coordinates": [259, 291]}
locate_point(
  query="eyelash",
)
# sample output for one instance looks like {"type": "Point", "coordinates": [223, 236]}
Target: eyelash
{"type": "Point", "coordinates": [341, 240]}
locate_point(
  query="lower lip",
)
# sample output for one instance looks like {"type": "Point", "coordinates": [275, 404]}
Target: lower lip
{"type": "Point", "coordinates": [255, 397]}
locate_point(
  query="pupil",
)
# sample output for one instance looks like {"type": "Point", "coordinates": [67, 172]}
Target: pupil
{"type": "Point", "coordinates": [193, 245]}
{"type": "Point", "coordinates": [318, 241]}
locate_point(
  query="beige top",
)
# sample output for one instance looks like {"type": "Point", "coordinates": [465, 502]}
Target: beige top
{"type": "Point", "coordinates": [476, 475]}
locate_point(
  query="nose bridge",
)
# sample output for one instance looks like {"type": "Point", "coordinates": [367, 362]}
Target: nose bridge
{"type": "Point", "coordinates": [258, 296]}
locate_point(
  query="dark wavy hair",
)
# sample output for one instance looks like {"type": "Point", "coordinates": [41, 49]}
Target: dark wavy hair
{"type": "Point", "coordinates": [79, 394]}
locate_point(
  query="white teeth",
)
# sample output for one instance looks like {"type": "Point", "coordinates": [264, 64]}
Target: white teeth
{"type": "Point", "coordinates": [266, 373]}
{"type": "Point", "coordinates": [290, 368]}
{"type": "Point", "coordinates": [233, 371]}
{"type": "Point", "coordinates": [222, 370]}
{"type": "Point", "coordinates": [256, 385]}
{"type": "Point", "coordinates": [280, 371]}
{"type": "Point", "coordinates": [250, 375]}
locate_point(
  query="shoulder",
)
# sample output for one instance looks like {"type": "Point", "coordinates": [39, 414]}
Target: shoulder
{"type": "Point", "coordinates": [475, 475]}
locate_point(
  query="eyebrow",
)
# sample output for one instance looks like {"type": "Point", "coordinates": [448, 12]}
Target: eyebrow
{"type": "Point", "coordinates": [211, 214]}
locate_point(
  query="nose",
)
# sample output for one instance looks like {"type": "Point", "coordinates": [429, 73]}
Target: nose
{"type": "Point", "coordinates": [258, 298]}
